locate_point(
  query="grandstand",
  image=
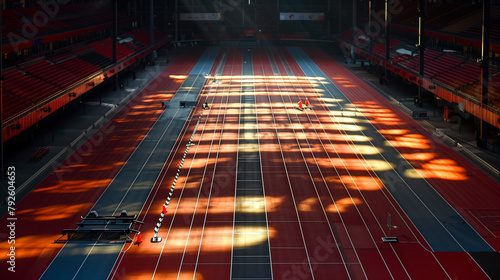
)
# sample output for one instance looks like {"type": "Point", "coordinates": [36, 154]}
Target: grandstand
{"type": "Point", "coordinates": [56, 72]}
{"type": "Point", "coordinates": [453, 47]}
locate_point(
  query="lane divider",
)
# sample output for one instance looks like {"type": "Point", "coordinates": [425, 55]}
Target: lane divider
{"type": "Point", "coordinates": [156, 238]}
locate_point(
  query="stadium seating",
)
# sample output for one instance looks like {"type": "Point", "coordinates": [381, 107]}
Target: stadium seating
{"type": "Point", "coordinates": [77, 65]}
{"type": "Point", "coordinates": [105, 48]}
{"type": "Point", "coordinates": [35, 81]}
{"type": "Point", "coordinates": [450, 70]}
{"type": "Point", "coordinates": [31, 88]}
{"type": "Point", "coordinates": [50, 72]}
{"type": "Point", "coordinates": [96, 59]}
{"type": "Point", "coordinates": [15, 104]}
{"type": "Point", "coordinates": [68, 17]}
{"type": "Point", "coordinates": [142, 35]}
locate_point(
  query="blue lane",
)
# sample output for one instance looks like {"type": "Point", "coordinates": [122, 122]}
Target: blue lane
{"type": "Point", "coordinates": [69, 262]}
{"type": "Point", "coordinates": [206, 61]}
{"type": "Point", "coordinates": [132, 185]}
{"type": "Point", "coordinates": [442, 227]}
{"type": "Point", "coordinates": [128, 192]}
{"type": "Point", "coordinates": [254, 260]}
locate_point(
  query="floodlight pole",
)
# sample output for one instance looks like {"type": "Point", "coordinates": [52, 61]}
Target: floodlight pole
{"type": "Point", "coordinates": [354, 30]}
{"type": "Point", "coordinates": [421, 46]}
{"type": "Point", "coordinates": [387, 39]}
{"type": "Point", "coordinates": [176, 17]}
{"type": "Point", "coordinates": [115, 43]}
{"type": "Point", "coordinates": [2, 170]}
{"type": "Point", "coordinates": [114, 32]}
{"type": "Point", "coordinates": [369, 25]}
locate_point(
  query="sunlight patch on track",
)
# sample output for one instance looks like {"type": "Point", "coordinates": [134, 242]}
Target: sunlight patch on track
{"type": "Point", "coordinates": [250, 204]}
{"type": "Point", "coordinates": [380, 165]}
{"type": "Point", "coordinates": [248, 235]}
{"type": "Point", "coordinates": [178, 77]}
{"type": "Point", "coordinates": [29, 247]}
{"type": "Point", "coordinates": [220, 237]}
{"type": "Point", "coordinates": [347, 127]}
{"type": "Point", "coordinates": [173, 275]}
{"type": "Point", "coordinates": [444, 169]}
{"type": "Point", "coordinates": [307, 204]}
{"type": "Point", "coordinates": [342, 205]}
{"type": "Point", "coordinates": [362, 149]}
{"type": "Point", "coordinates": [362, 183]}
{"type": "Point", "coordinates": [54, 212]}
{"type": "Point", "coordinates": [73, 186]}
{"type": "Point", "coordinates": [395, 131]}
{"type": "Point", "coordinates": [419, 156]}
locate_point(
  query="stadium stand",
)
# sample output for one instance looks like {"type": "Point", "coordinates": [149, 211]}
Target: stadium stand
{"type": "Point", "coordinates": [68, 17]}
{"type": "Point", "coordinates": [31, 84]}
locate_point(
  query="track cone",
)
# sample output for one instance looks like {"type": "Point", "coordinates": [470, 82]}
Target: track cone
{"type": "Point", "coordinates": [307, 103]}
{"type": "Point", "coordinates": [164, 211]}
{"type": "Point", "coordinates": [300, 105]}
{"type": "Point", "coordinates": [139, 238]}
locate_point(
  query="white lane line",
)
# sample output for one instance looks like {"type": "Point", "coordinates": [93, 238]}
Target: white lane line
{"type": "Point", "coordinates": [159, 181]}
{"type": "Point", "coordinates": [314, 183]}
{"type": "Point", "coordinates": [334, 119]}
{"type": "Point", "coordinates": [214, 169]}
{"type": "Point", "coordinates": [182, 191]}
{"type": "Point", "coordinates": [121, 168]}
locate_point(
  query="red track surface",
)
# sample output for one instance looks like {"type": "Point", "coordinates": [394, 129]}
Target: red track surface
{"type": "Point", "coordinates": [331, 197]}
{"type": "Point", "coordinates": [326, 209]}
{"type": "Point", "coordinates": [73, 188]}
{"type": "Point", "coordinates": [469, 190]}
{"type": "Point", "coordinates": [199, 222]}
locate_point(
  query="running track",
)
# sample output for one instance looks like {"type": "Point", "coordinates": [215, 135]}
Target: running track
{"type": "Point", "coordinates": [312, 206]}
